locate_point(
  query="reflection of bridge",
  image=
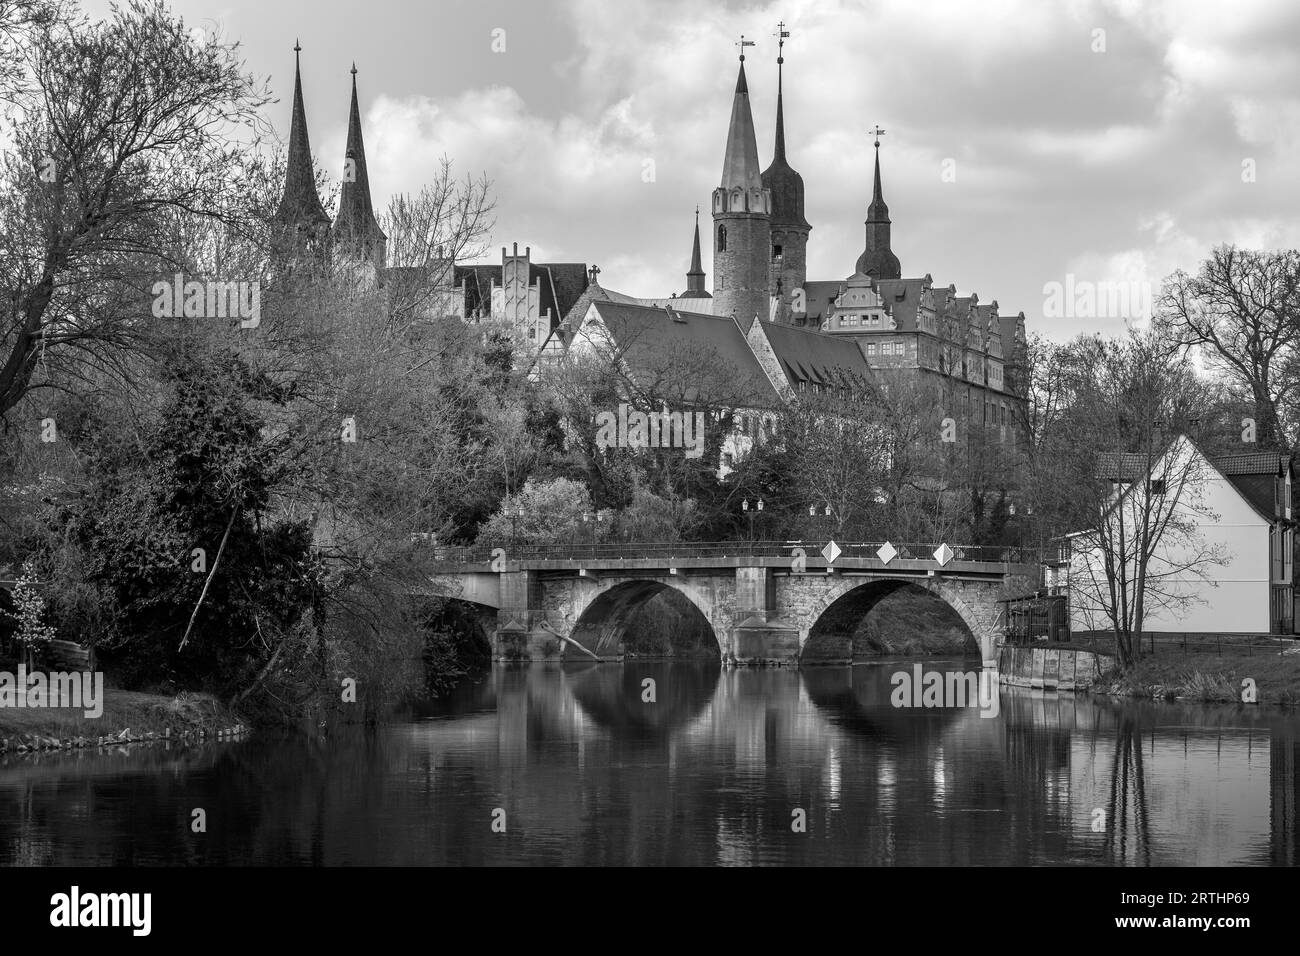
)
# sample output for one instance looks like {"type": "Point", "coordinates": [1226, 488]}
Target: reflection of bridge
{"type": "Point", "coordinates": [763, 600]}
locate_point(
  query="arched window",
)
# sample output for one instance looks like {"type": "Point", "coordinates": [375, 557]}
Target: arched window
{"type": "Point", "coordinates": [722, 238]}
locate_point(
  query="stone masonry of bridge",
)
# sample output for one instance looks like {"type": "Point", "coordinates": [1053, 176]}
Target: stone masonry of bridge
{"type": "Point", "coordinates": [760, 609]}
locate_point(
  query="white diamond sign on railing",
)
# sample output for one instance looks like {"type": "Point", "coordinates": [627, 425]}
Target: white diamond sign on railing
{"type": "Point", "coordinates": [886, 552]}
{"type": "Point", "coordinates": [831, 552]}
{"type": "Point", "coordinates": [943, 554]}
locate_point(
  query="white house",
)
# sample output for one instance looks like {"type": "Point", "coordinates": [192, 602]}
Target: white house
{"type": "Point", "coordinates": [1223, 562]}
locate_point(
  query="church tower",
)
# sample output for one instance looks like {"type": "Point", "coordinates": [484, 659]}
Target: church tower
{"type": "Point", "coordinates": [695, 277]}
{"type": "Point", "coordinates": [356, 230]}
{"type": "Point", "coordinates": [878, 260]}
{"type": "Point", "coordinates": [742, 210]}
{"type": "Point", "coordinates": [788, 268]}
{"type": "Point", "coordinates": [300, 223]}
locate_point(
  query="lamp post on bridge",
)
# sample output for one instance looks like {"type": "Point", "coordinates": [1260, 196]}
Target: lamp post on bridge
{"type": "Point", "coordinates": [814, 514]}
{"type": "Point", "coordinates": [753, 513]}
{"type": "Point", "coordinates": [514, 514]}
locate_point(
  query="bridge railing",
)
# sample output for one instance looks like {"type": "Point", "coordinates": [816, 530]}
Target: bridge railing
{"type": "Point", "coordinates": [613, 551]}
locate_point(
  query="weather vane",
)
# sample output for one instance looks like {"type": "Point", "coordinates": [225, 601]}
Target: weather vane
{"type": "Point", "coordinates": [878, 132]}
{"type": "Point", "coordinates": [781, 34]}
{"type": "Point", "coordinates": [742, 44]}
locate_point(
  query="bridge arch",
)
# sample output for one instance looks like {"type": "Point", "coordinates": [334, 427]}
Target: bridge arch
{"type": "Point", "coordinates": [602, 614]}
{"type": "Point", "coordinates": [839, 612]}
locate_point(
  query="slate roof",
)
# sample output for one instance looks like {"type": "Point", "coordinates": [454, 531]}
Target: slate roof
{"type": "Point", "coordinates": [808, 355]}
{"type": "Point", "coordinates": [903, 296]}
{"type": "Point", "coordinates": [818, 297]}
{"type": "Point", "coordinates": [651, 340]}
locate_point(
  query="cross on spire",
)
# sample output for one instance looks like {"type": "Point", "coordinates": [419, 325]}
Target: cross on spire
{"type": "Point", "coordinates": [742, 44]}
{"type": "Point", "coordinates": [781, 34]}
{"type": "Point", "coordinates": [593, 272]}
{"type": "Point", "coordinates": [878, 133]}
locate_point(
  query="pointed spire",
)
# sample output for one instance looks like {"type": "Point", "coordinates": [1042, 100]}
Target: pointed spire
{"type": "Point", "coordinates": [740, 165]}
{"type": "Point", "coordinates": [878, 259]}
{"type": "Point", "coordinates": [356, 216]}
{"type": "Point", "coordinates": [778, 152]}
{"type": "Point", "coordinates": [785, 184]}
{"type": "Point", "coordinates": [877, 211]}
{"type": "Point", "coordinates": [695, 277]}
{"type": "Point", "coordinates": [300, 204]}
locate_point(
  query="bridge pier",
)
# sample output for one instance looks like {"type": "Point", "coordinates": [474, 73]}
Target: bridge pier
{"type": "Point", "coordinates": [759, 635]}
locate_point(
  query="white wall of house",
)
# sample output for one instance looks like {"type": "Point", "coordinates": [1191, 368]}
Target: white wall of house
{"type": "Point", "coordinates": [1228, 597]}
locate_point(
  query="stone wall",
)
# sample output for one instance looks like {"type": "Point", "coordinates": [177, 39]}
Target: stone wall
{"type": "Point", "coordinates": [1051, 668]}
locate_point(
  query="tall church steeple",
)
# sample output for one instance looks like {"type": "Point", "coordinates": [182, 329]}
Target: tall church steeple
{"type": "Point", "coordinates": [355, 225]}
{"type": "Point", "coordinates": [300, 210]}
{"type": "Point", "coordinates": [695, 277]}
{"type": "Point", "coordinates": [878, 260]}
{"type": "Point", "coordinates": [741, 216]}
{"type": "Point", "coordinates": [788, 267]}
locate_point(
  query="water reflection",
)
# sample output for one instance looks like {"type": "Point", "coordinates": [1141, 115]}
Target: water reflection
{"type": "Point", "coordinates": [588, 770]}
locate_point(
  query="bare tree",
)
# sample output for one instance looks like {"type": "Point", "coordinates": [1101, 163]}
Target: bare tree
{"type": "Point", "coordinates": [125, 131]}
{"type": "Point", "coordinates": [1242, 312]}
{"type": "Point", "coordinates": [1141, 548]}
{"type": "Point", "coordinates": [447, 222]}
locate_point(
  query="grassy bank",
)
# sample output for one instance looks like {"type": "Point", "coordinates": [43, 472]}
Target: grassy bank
{"type": "Point", "coordinates": [1208, 676]}
{"type": "Point", "coordinates": [128, 716]}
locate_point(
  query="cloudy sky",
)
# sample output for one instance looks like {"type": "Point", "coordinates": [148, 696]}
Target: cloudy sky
{"type": "Point", "coordinates": [1111, 141]}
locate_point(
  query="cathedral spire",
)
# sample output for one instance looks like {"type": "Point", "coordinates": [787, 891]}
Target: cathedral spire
{"type": "Point", "coordinates": [355, 222]}
{"type": "Point", "coordinates": [695, 277]}
{"type": "Point", "coordinates": [878, 259]}
{"type": "Point", "coordinates": [300, 205]}
{"type": "Point", "coordinates": [740, 164]}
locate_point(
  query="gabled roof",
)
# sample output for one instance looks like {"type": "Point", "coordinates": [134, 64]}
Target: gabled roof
{"type": "Point", "coordinates": [1254, 475]}
{"type": "Point", "coordinates": [650, 340]}
{"type": "Point", "coordinates": [812, 356]}
{"type": "Point", "coordinates": [1250, 474]}
{"type": "Point", "coordinates": [1254, 463]}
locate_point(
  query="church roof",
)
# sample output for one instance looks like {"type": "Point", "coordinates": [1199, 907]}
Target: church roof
{"type": "Point", "coordinates": [653, 340]}
{"type": "Point", "coordinates": [300, 202]}
{"type": "Point", "coordinates": [740, 164]}
{"type": "Point", "coordinates": [356, 215]}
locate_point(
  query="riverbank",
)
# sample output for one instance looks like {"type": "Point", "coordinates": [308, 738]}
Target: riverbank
{"type": "Point", "coordinates": [128, 717]}
{"type": "Point", "coordinates": [1208, 677]}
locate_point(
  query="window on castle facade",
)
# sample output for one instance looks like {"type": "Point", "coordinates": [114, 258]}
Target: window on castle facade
{"type": "Point", "coordinates": [871, 348]}
{"type": "Point", "coordinates": [722, 238]}
{"type": "Point", "coordinates": [776, 250]}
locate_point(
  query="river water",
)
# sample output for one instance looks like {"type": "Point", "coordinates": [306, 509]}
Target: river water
{"type": "Point", "coordinates": [574, 765]}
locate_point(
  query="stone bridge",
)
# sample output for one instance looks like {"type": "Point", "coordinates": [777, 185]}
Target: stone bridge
{"type": "Point", "coordinates": [764, 601]}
